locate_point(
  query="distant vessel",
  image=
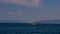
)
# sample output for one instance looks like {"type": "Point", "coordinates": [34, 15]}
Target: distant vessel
{"type": "Point", "coordinates": [37, 21]}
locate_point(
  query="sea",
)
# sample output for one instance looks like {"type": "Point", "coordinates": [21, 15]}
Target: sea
{"type": "Point", "coordinates": [27, 28]}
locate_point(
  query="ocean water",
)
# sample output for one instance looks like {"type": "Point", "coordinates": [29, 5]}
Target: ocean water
{"type": "Point", "coordinates": [26, 28]}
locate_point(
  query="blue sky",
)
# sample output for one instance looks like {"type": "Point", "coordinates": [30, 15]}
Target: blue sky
{"type": "Point", "coordinates": [29, 10]}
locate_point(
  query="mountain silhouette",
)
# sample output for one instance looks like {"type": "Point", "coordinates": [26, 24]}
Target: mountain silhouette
{"type": "Point", "coordinates": [50, 21]}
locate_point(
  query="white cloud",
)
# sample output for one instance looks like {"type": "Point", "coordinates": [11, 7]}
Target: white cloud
{"type": "Point", "coordinates": [15, 13]}
{"type": "Point", "coordinates": [11, 14]}
{"type": "Point", "coordinates": [35, 3]}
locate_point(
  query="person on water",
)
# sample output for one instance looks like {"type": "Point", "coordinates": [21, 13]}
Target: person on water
{"type": "Point", "coordinates": [38, 21]}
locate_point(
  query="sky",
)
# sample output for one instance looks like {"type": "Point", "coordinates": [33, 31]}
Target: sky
{"type": "Point", "coordinates": [29, 10]}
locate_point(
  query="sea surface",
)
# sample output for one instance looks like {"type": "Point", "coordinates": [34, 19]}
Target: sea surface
{"type": "Point", "coordinates": [26, 28]}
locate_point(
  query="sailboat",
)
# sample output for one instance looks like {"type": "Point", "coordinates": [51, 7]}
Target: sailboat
{"type": "Point", "coordinates": [36, 22]}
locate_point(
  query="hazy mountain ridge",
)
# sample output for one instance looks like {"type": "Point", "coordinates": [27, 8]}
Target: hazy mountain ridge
{"type": "Point", "coordinates": [22, 21]}
{"type": "Point", "coordinates": [12, 21]}
{"type": "Point", "coordinates": [50, 21]}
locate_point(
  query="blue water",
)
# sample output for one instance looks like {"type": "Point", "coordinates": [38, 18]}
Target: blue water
{"type": "Point", "coordinates": [26, 28]}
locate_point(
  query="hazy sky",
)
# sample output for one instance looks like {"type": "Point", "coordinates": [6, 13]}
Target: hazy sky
{"type": "Point", "coordinates": [29, 10]}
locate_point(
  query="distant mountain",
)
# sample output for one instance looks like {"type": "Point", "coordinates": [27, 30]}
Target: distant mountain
{"type": "Point", "coordinates": [50, 21]}
{"type": "Point", "coordinates": [12, 21]}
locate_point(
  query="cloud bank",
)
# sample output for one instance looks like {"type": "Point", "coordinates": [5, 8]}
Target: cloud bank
{"type": "Point", "coordinates": [11, 14]}
{"type": "Point", "coordinates": [14, 13]}
{"type": "Point", "coordinates": [35, 3]}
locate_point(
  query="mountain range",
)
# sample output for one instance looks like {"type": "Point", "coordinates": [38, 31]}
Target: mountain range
{"type": "Point", "coordinates": [50, 21]}
{"type": "Point", "coordinates": [22, 21]}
